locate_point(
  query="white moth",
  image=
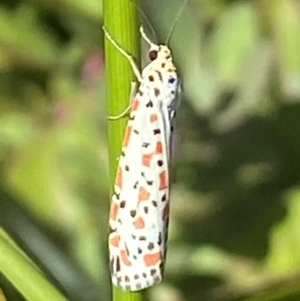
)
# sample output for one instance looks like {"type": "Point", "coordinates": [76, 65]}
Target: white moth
{"type": "Point", "coordinates": [139, 213]}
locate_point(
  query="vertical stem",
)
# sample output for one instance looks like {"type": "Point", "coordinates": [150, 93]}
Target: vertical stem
{"type": "Point", "coordinates": [121, 21]}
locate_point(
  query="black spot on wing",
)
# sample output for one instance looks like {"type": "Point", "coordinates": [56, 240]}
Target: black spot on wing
{"type": "Point", "coordinates": [159, 75]}
{"type": "Point", "coordinates": [160, 162]}
{"type": "Point", "coordinates": [159, 241]}
{"type": "Point", "coordinates": [153, 272]}
{"type": "Point", "coordinates": [150, 246]}
{"type": "Point", "coordinates": [133, 213]}
{"type": "Point", "coordinates": [149, 104]}
{"type": "Point", "coordinates": [145, 144]}
{"type": "Point", "coordinates": [118, 265]}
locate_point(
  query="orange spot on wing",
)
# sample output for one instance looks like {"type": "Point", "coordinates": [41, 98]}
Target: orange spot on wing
{"type": "Point", "coordinates": [163, 180]}
{"type": "Point", "coordinates": [159, 148]}
{"type": "Point", "coordinates": [146, 159]}
{"type": "Point", "coordinates": [124, 258]}
{"type": "Point", "coordinates": [119, 178]}
{"type": "Point", "coordinates": [127, 136]}
{"type": "Point", "coordinates": [153, 117]}
{"type": "Point", "coordinates": [114, 211]}
{"type": "Point", "coordinates": [115, 241]}
{"type": "Point", "coordinates": [152, 259]}
{"type": "Point", "coordinates": [139, 223]}
{"type": "Point", "coordinates": [135, 104]}
{"type": "Point", "coordinates": [144, 195]}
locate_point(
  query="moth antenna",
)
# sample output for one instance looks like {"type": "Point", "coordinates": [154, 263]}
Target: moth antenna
{"type": "Point", "coordinates": [144, 36]}
{"type": "Point", "coordinates": [176, 21]}
{"type": "Point", "coordinates": [146, 19]}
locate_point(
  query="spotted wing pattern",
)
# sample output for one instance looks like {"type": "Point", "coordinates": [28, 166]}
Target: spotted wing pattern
{"type": "Point", "coordinates": [139, 213]}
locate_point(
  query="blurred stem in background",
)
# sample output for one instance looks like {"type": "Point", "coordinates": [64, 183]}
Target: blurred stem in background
{"type": "Point", "coordinates": [121, 21]}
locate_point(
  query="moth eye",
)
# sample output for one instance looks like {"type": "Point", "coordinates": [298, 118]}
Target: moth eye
{"type": "Point", "coordinates": [153, 55]}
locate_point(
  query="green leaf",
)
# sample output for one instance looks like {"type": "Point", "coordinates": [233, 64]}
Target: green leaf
{"type": "Point", "coordinates": [23, 274]}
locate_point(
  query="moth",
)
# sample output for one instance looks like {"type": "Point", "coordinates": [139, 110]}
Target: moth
{"type": "Point", "coordinates": [139, 213]}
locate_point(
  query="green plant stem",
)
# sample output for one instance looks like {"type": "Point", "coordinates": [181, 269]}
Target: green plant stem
{"type": "Point", "coordinates": [121, 21]}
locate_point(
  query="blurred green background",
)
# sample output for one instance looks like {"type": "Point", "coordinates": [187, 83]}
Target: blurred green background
{"type": "Point", "coordinates": [235, 216]}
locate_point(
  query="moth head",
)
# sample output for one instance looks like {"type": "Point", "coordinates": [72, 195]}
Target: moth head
{"type": "Point", "coordinates": [159, 51]}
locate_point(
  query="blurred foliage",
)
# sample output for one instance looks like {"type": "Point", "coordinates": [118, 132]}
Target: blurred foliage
{"type": "Point", "coordinates": [235, 220]}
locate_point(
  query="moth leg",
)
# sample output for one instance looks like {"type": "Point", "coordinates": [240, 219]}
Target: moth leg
{"type": "Point", "coordinates": [133, 89]}
{"type": "Point", "coordinates": [129, 57]}
{"type": "Point", "coordinates": [124, 113]}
